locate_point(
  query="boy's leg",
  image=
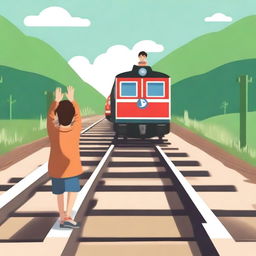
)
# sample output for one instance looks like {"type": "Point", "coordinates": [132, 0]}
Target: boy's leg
{"type": "Point", "coordinates": [60, 199]}
{"type": "Point", "coordinates": [70, 202]}
{"type": "Point", "coordinates": [68, 221]}
{"type": "Point", "coordinates": [72, 186]}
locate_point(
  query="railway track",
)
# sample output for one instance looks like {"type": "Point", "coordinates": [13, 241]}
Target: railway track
{"type": "Point", "coordinates": [141, 205]}
{"type": "Point", "coordinates": [133, 201]}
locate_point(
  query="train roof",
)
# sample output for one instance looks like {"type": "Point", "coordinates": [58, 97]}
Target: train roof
{"type": "Point", "coordinates": [142, 71]}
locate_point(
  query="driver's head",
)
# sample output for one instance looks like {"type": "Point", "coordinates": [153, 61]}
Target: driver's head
{"type": "Point", "coordinates": [142, 58]}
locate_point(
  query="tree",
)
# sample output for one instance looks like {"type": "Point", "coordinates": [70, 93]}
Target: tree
{"type": "Point", "coordinates": [224, 105]}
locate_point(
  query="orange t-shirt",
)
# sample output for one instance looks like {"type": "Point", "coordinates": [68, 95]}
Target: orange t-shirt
{"type": "Point", "coordinates": [64, 158]}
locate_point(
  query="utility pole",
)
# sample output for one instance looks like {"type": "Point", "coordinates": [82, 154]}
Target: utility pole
{"type": "Point", "coordinates": [11, 101]}
{"type": "Point", "coordinates": [244, 81]}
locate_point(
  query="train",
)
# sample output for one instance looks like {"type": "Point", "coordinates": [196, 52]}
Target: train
{"type": "Point", "coordinates": [140, 103]}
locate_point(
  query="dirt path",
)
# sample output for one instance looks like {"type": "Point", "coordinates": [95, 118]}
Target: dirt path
{"type": "Point", "coordinates": [22, 152]}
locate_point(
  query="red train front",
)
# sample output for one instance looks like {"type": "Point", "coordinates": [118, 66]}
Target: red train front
{"type": "Point", "coordinates": [140, 103]}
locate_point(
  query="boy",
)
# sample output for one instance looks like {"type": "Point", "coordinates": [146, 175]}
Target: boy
{"type": "Point", "coordinates": [64, 163]}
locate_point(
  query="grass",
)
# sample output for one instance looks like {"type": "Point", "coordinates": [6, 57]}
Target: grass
{"type": "Point", "coordinates": [14, 133]}
{"type": "Point", "coordinates": [87, 111]}
{"type": "Point", "coordinates": [7, 139]}
{"type": "Point", "coordinates": [223, 130]}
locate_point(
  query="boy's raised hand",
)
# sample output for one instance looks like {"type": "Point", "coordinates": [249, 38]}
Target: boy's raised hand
{"type": "Point", "coordinates": [70, 93]}
{"type": "Point", "coordinates": [58, 94]}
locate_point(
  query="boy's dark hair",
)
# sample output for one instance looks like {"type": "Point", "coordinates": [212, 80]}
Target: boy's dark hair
{"type": "Point", "coordinates": [143, 54]}
{"type": "Point", "coordinates": [65, 111]}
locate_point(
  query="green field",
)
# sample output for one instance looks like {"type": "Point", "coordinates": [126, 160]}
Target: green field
{"type": "Point", "coordinates": [17, 132]}
{"type": "Point", "coordinates": [230, 123]}
{"type": "Point", "coordinates": [223, 130]}
{"type": "Point", "coordinates": [14, 133]}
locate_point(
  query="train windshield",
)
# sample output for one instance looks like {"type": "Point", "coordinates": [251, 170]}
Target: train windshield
{"type": "Point", "coordinates": [155, 89]}
{"type": "Point", "coordinates": [128, 89]}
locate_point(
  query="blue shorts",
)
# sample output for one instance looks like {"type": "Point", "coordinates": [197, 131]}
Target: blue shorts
{"type": "Point", "coordinates": [60, 185]}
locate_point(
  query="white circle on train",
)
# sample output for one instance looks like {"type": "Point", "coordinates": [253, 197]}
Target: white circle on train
{"type": "Point", "coordinates": [142, 71]}
{"type": "Point", "coordinates": [142, 103]}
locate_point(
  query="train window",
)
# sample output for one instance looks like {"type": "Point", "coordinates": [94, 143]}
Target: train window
{"type": "Point", "coordinates": [128, 89]}
{"type": "Point", "coordinates": [155, 89]}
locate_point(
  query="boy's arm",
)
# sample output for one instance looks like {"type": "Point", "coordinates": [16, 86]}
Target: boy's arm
{"type": "Point", "coordinates": [77, 117]}
{"type": "Point", "coordinates": [51, 114]}
{"type": "Point", "coordinates": [54, 105]}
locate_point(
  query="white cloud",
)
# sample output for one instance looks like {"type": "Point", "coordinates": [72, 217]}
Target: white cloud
{"type": "Point", "coordinates": [218, 17]}
{"type": "Point", "coordinates": [55, 17]}
{"type": "Point", "coordinates": [148, 46]}
{"type": "Point", "coordinates": [117, 59]}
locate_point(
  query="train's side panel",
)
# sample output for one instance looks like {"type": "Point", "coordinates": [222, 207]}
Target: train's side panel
{"type": "Point", "coordinates": [108, 108]}
{"type": "Point", "coordinates": [170, 92]}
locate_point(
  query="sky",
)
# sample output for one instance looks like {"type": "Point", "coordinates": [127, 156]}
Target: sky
{"type": "Point", "coordinates": [165, 24]}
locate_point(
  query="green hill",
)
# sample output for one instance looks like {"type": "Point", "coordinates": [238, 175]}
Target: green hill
{"type": "Point", "coordinates": [235, 42]}
{"type": "Point", "coordinates": [203, 95]}
{"type": "Point", "coordinates": [33, 55]}
{"type": "Point", "coordinates": [28, 89]}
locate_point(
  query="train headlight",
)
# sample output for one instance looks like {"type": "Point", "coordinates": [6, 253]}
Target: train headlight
{"type": "Point", "coordinates": [142, 72]}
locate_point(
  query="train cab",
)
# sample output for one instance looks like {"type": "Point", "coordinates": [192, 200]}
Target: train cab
{"type": "Point", "coordinates": [141, 103]}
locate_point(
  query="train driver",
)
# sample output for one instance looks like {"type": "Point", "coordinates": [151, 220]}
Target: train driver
{"type": "Point", "coordinates": [143, 59]}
